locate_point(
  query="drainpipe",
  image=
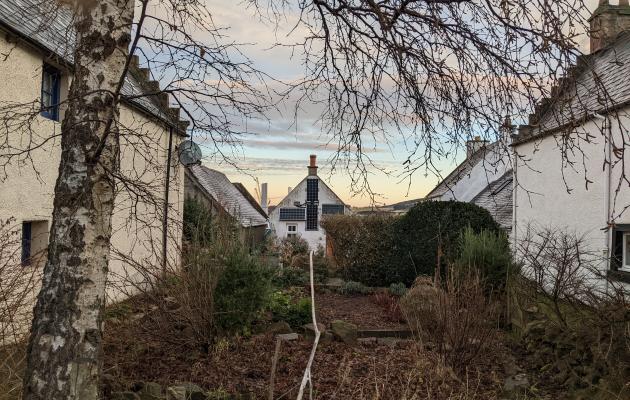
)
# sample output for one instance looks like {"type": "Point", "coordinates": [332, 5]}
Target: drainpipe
{"type": "Point", "coordinates": [166, 193]}
{"type": "Point", "coordinates": [514, 199]}
{"type": "Point", "coordinates": [606, 128]}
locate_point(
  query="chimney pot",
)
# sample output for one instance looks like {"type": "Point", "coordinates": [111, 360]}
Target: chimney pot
{"type": "Point", "coordinates": [312, 167]}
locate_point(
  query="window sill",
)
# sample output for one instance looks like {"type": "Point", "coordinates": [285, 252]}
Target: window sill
{"type": "Point", "coordinates": [620, 276]}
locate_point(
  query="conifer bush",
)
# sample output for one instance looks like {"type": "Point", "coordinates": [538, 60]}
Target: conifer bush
{"type": "Point", "coordinates": [429, 235]}
{"type": "Point", "coordinates": [488, 253]}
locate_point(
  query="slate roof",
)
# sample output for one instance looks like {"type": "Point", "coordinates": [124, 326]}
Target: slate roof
{"type": "Point", "coordinates": [49, 27]}
{"type": "Point", "coordinates": [322, 183]}
{"type": "Point", "coordinates": [241, 188]}
{"type": "Point", "coordinates": [217, 185]}
{"type": "Point", "coordinates": [598, 82]}
{"type": "Point", "coordinates": [497, 199]}
{"type": "Point", "coordinates": [461, 171]}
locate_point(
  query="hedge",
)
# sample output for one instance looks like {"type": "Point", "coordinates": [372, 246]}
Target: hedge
{"type": "Point", "coordinates": [361, 246]}
{"type": "Point", "coordinates": [381, 250]}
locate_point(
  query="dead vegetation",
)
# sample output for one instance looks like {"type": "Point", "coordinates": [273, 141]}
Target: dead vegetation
{"type": "Point", "coordinates": [455, 318]}
{"type": "Point", "coordinates": [241, 364]}
{"type": "Point", "coordinates": [18, 285]}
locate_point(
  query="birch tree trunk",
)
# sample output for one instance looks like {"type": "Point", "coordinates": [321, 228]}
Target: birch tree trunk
{"type": "Point", "coordinates": [64, 352]}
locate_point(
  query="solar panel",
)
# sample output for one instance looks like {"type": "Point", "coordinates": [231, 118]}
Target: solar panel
{"type": "Point", "coordinates": [292, 214]}
{"type": "Point", "coordinates": [329, 209]}
{"type": "Point", "coordinates": [311, 217]}
{"type": "Point", "coordinates": [312, 190]}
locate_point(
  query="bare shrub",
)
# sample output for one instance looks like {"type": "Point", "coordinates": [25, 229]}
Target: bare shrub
{"type": "Point", "coordinates": [456, 318]}
{"type": "Point", "coordinates": [18, 286]}
{"type": "Point", "coordinates": [560, 268]}
{"type": "Point", "coordinates": [192, 290]}
{"type": "Point", "coordinates": [576, 319]}
{"type": "Point", "coordinates": [293, 252]}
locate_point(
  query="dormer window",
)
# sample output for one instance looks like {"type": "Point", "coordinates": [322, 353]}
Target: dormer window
{"type": "Point", "coordinates": [51, 88]}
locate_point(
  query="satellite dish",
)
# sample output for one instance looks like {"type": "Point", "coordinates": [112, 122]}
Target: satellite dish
{"type": "Point", "coordinates": [189, 153]}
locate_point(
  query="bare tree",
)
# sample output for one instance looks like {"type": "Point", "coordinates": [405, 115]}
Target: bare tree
{"type": "Point", "coordinates": [431, 71]}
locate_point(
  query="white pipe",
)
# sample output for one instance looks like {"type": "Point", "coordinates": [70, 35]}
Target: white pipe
{"type": "Point", "coordinates": [307, 378]}
{"type": "Point", "coordinates": [606, 127]}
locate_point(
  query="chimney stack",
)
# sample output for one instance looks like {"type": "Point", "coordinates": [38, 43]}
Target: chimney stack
{"type": "Point", "coordinates": [472, 146]}
{"type": "Point", "coordinates": [263, 197]}
{"type": "Point", "coordinates": [607, 22]}
{"type": "Point", "coordinates": [312, 168]}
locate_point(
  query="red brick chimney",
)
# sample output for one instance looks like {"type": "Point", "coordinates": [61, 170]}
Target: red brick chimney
{"type": "Point", "coordinates": [607, 22]}
{"type": "Point", "coordinates": [312, 167]}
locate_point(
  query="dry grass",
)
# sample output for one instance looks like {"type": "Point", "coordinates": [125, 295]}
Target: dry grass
{"type": "Point", "coordinates": [12, 359]}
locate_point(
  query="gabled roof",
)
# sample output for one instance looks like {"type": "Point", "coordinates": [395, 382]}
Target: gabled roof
{"type": "Point", "coordinates": [461, 171]}
{"type": "Point", "coordinates": [497, 199]}
{"type": "Point", "coordinates": [219, 187]}
{"type": "Point", "coordinates": [47, 26]}
{"type": "Point", "coordinates": [321, 182]}
{"type": "Point", "coordinates": [241, 188]}
{"type": "Point", "coordinates": [598, 83]}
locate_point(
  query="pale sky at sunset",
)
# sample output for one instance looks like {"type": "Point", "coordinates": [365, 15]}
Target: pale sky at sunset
{"type": "Point", "coordinates": [277, 151]}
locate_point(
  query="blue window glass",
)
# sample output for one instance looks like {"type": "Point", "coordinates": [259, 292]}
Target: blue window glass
{"type": "Point", "coordinates": [27, 238]}
{"type": "Point", "coordinates": [292, 214]}
{"type": "Point", "coordinates": [51, 87]}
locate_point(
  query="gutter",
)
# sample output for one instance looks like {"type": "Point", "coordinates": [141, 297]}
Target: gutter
{"type": "Point", "coordinates": [588, 117]}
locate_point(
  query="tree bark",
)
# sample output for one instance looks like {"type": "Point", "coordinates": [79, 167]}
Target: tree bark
{"type": "Point", "coordinates": [64, 352]}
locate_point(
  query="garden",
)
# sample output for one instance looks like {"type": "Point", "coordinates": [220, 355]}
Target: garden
{"type": "Point", "coordinates": [429, 305]}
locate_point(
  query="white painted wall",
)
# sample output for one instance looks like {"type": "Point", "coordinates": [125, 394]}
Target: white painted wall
{"type": "Point", "coordinates": [26, 192]}
{"type": "Point", "coordinates": [553, 193]}
{"type": "Point", "coordinates": [314, 238]}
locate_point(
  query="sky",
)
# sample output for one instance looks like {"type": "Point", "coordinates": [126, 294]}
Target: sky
{"type": "Point", "coordinates": [276, 150]}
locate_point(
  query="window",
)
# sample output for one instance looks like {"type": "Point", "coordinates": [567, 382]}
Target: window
{"type": "Point", "coordinates": [51, 78]}
{"type": "Point", "coordinates": [27, 238]}
{"type": "Point", "coordinates": [329, 209]}
{"type": "Point", "coordinates": [291, 230]}
{"type": "Point", "coordinates": [625, 266]}
{"type": "Point", "coordinates": [292, 214]}
{"type": "Point", "coordinates": [34, 242]}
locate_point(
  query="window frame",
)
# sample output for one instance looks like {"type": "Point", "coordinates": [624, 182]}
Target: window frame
{"type": "Point", "coordinates": [50, 111]}
{"type": "Point", "coordinates": [292, 233]}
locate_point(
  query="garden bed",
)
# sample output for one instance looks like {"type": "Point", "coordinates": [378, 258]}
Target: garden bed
{"type": "Point", "coordinates": [394, 370]}
{"type": "Point", "coordinates": [361, 310]}
{"type": "Point", "coordinates": [383, 369]}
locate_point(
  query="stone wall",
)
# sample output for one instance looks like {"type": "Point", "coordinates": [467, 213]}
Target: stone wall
{"type": "Point", "coordinates": [585, 350]}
